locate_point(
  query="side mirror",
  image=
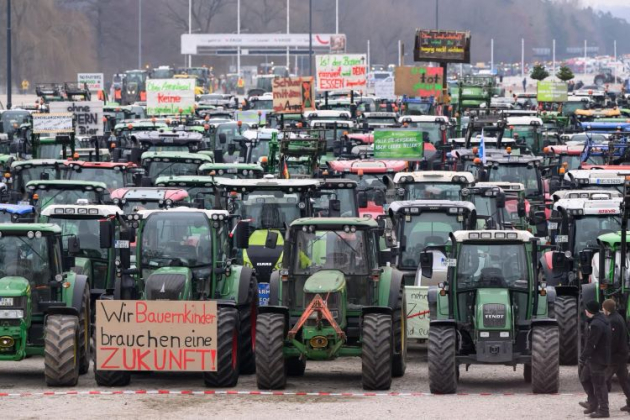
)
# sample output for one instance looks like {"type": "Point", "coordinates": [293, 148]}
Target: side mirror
{"type": "Point", "coordinates": [137, 179]}
{"type": "Point", "coordinates": [74, 245]}
{"type": "Point", "coordinates": [222, 138]}
{"type": "Point", "coordinates": [199, 203]}
{"type": "Point", "coordinates": [44, 176]}
{"type": "Point", "coordinates": [561, 262]}
{"type": "Point", "coordinates": [379, 198]}
{"type": "Point", "coordinates": [426, 264]}
{"type": "Point", "coordinates": [586, 262]}
{"type": "Point", "coordinates": [501, 201]}
{"type": "Point", "coordinates": [521, 209]}
{"type": "Point", "coordinates": [272, 240]}
{"type": "Point", "coordinates": [136, 155]}
{"type": "Point", "coordinates": [241, 236]}
{"type": "Point", "coordinates": [106, 234]}
{"type": "Point", "coordinates": [218, 156]}
{"type": "Point", "coordinates": [362, 199]}
{"type": "Point", "coordinates": [145, 181]}
{"type": "Point", "coordinates": [334, 208]}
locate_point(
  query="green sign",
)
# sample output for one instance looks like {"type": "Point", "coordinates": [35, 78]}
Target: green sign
{"type": "Point", "coordinates": [398, 144]}
{"type": "Point", "coordinates": [549, 91]}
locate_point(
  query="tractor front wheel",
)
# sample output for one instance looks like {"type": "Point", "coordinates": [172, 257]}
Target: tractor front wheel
{"type": "Point", "coordinates": [271, 371]}
{"type": "Point", "coordinates": [247, 330]}
{"type": "Point", "coordinates": [226, 374]}
{"type": "Point", "coordinates": [400, 337]}
{"type": "Point", "coordinates": [567, 317]}
{"type": "Point", "coordinates": [545, 359]}
{"type": "Point", "coordinates": [441, 358]}
{"type": "Point", "coordinates": [377, 352]}
{"type": "Point", "coordinates": [61, 350]}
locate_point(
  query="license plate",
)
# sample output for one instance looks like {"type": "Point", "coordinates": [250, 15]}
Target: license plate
{"type": "Point", "coordinates": [562, 239]}
{"type": "Point", "coordinates": [608, 181]}
{"type": "Point", "coordinates": [553, 226]}
{"type": "Point", "coordinates": [120, 244]}
{"type": "Point", "coordinates": [6, 301]}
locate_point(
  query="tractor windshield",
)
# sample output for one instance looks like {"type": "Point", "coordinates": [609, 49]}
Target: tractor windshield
{"type": "Point", "coordinates": [29, 258]}
{"type": "Point", "coordinates": [587, 229]}
{"type": "Point", "coordinates": [176, 239]}
{"type": "Point", "coordinates": [50, 196]}
{"type": "Point", "coordinates": [486, 208]}
{"type": "Point", "coordinates": [113, 177]}
{"type": "Point", "coordinates": [261, 149]}
{"type": "Point", "coordinates": [34, 173]}
{"type": "Point", "coordinates": [426, 229]}
{"type": "Point", "coordinates": [51, 151]}
{"type": "Point", "coordinates": [432, 191]}
{"type": "Point", "coordinates": [86, 230]}
{"type": "Point", "coordinates": [270, 209]}
{"type": "Point", "coordinates": [497, 264]}
{"type": "Point", "coordinates": [372, 184]}
{"type": "Point", "coordinates": [331, 250]}
{"type": "Point", "coordinates": [525, 174]}
{"type": "Point", "coordinates": [430, 130]}
{"type": "Point", "coordinates": [171, 168]}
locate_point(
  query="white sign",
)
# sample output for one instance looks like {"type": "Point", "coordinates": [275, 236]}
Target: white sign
{"type": "Point", "coordinates": [88, 115]}
{"type": "Point", "coordinates": [52, 123]}
{"type": "Point", "coordinates": [341, 71]}
{"type": "Point", "coordinates": [385, 88]}
{"type": "Point", "coordinates": [170, 96]}
{"type": "Point", "coordinates": [95, 81]}
{"type": "Point", "coordinates": [192, 42]}
{"type": "Point", "coordinates": [417, 310]}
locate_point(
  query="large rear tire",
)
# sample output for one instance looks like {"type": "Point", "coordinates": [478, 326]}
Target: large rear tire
{"type": "Point", "coordinates": [247, 331]}
{"type": "Point", "coordinates": [295, 366]}
{"type": "Point", "coordinates": [399, 365]}
{"type": "Point", "coordinates": [441, 358]}
{"type": "Point", "coordinates": [545, 359]}
{"type": "Point", "coordinates": [567, 317]}
{"type": "Point", "coordinates": [377, 352]}
{"type": "Point", "coordinates": [227, 362]}
{"type": "Point", "coordinates": [111, 378]}
{"type": "Point", "coordinates": [85, 332]}
{"type": "Point", "coordinates": [270, 364]}
{"type": "Point", "coordinates": [61, 350]}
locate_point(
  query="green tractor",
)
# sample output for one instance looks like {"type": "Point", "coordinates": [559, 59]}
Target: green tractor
{"type": "Point", "coordinates": [44, 309]}
{"type": "Point", "coordinates": [333, 297]}
{"type": "Point", "coordinates": [187, 254]}
{"type": "Point", "coordinates": [492, 309]}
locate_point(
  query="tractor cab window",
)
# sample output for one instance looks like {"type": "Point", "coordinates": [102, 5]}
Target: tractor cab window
{"type": "Point", "coordinates": [113, 177]}
{"type": "Point", "coordinates": [426, 229]}
{"type": "Point", "coordinates": [372, 184]}
{"type": "Point", "coordinates": [486, 208]}
{"type": "Point", "coordinates": [51, 151]}
{"type": "Point", "coordinates": [587, 229]}
{"type": "Point", "coordinates": [205, 193]}
{"type": "Point", "coordinates": [497, 265]}
{"type": "Point", "coordinates": [432, 191]}
{"type": "Point", "coordinates": [270, 209]}
{"type": "Point", "coordinates": [176, 239]}
{"type": "Point", "coordinates": [527, 175]}
{"type": "Point", "coordinates": [35, 173]}
{"type": "Point", "coordinates": [86, 230]}
{"type": "Point", "coordinates": [261, 149]}
{"type": "Point", "coordinates": [331, 250]}
{"type": "Point", "coordinates": [347, 202]}
{"type": "Point", "coordinates": [171, 168]}
{"type": "Point", "coordinates": [48, 196]}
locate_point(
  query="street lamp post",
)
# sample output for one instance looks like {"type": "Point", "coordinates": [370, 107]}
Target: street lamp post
{"type": "Point", "coordinates": [238, 31]}
{"type": "Point", "coordinates": [189, 29]}
{"type": "Point", "coordinates": [310, 37]}
{"type": "Point", "coordinates": [288, 27]}
{"type": "Point", "coordinates": [139, 34]}
{"type": "Point", "coordinates": [8, 54]}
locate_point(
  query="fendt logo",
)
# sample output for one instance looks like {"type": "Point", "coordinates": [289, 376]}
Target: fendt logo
{"type": "Point", "coordinates": [494, 316]}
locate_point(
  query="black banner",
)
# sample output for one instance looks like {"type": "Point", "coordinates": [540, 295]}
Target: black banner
{"type": "Point", "coordinates": [442, 46]}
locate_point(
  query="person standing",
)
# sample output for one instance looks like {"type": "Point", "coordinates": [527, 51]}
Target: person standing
{"type": "Point", "coordinates": [594, 361]}
{"type": "Point", "coordinates": [619, 350]}
{"type": "Point", "coordinates": [525, 84]}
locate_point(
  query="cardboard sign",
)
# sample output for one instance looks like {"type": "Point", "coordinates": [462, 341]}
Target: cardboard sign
{"type": "Point", "coordinates": [398, 144]}
{"type": "Point", "coordinates": [52, 123]}
{"type": "Point", "coordinates": [419, 81]}
{"type": "Point", "coordinates": [263, 294]}
{"type": "Point", "coordinates": [293, 94]}
{"type": "Point", "coordinates": [417, 310]}
{"type": "Point", "coordinates": [158, 335]}
{"type": "Point", "coordinates": [95, 81]}
{"type": "Point", "coordinates": [169, 96]}
{"type": "Point", "coordinates": [88, 116]}
{"type": "Point", "coordinates": [385, 88]}
{"type": "Point", "coordinates": [251, 117]}
{"type": "Point", "coordinates": [344, 71]}
{"type": "Point", "coordinates": [550, 91]}
{"type": "Point", "coordinates": [442, 46]}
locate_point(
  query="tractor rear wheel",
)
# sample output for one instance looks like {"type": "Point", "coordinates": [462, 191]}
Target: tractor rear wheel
{"type": "Point", "coordinates": [111, 378]}
{"type": "Point", "coordinates": [377, 352]}
{"type": "Point", "coordinates": [441, 358]}
{"type": "Point", "coordinates": [61, 350]}
{"type": "Point", "coordinates": [85, 333]}
{"type": "Point", "coordinates": [399, 365]}
{"type": "Point", "coordinates": [567, 317]}
{"type": "Point", "coordinates": [545, 359]}
{"type": "Point", "coordinates": [296, 366]}
{"type": "Point", "coordinates": [271, 371]}
{"type": "Point", "coordinates": [247, 330]}
{"type": "Point", "coordinates": [226, 374]}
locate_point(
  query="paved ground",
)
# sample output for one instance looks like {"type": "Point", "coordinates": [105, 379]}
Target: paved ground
{"type": "Point", "coordinates": [486, 392]}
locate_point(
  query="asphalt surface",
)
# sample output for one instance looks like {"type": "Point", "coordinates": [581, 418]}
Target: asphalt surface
{"type": "Point", "coordinates": [488, 392]}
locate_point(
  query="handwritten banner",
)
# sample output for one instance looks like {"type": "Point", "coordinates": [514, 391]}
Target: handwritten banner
{"type": "Point", "coordinates": [95, 81]}
{"type": "Point", "coordinates": [442, 46]}
{"type": "Point", "coordinates": [156, 335]}
{"type": "Point", "coordinates": [88, 116]}
{"type": "Point", "coordinates": [419, 81]}
{"type": "Point", "coordinates": [53, 123]}
{"type": "Point", "coordinates": [293, 94]}
{"type": "Point", "coordinates": [342, 71]}
{"type": "Point", "coordinates": [169, 96]}
{"type": "Point", "coordinates": [385, 88]}
{"type": "Point", "coordinates": [417, 310]}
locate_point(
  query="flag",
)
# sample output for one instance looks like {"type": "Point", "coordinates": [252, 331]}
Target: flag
{"type": "Point", "coordinates": [285, 171]}
{"type": "Point", "coordinates": [587, 148]}
{"type": "Point", "coordinates": [482, 149]}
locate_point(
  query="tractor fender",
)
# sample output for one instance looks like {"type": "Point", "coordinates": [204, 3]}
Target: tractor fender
{"type": "Point", "coordinates": [244, 281]}
{"type": "Point", "coordinates": [443, 323]}
{"type": "Point", "coordinates": [224, 303]}
{"type": "Point", "coordinates": [274, 288]}
{"type": "Point", "coordinates": [62, 310]}
{"type": "Point", "coordinates": [386, 310]}
{"type": "Point", "coordinates": [543, 321]}
{"type": "Point", "coordinates": [588, 292]}
{"type": "Point", "coordinates": [432, 298]}
{"type": "Point", "coordinates": [551, 294]}
{"type": "Point", "coordinates": [276, 310]}
{"type": "Point", "coordinates": [389, 287]}
{"type": "Point", "coordinates": [73, 295]}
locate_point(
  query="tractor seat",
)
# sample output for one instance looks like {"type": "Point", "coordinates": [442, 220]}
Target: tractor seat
{"type": "Point", "coordinates": [492, 276]}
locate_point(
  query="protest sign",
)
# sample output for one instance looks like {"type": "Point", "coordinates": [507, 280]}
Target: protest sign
{"type": "Point", "coordinates": [88, 116]}
{"type": "Point", "coordinates": [550, 91]}
{"type": "Point", "coordinates": [94, 81]}
{"type": "Point", "coordinates": [442, 46]}
{"type": "Point", "coordinates": [52, 123]}
{"type": "Point", "coordinates": [342, 71]}
{"type": "Point", "coordinates": [156, 335]}
{"type": "Point", "coordinates": [251, 117]}
{"type": "Point", "coordinates": [419, 81]}
{"type": "Point", "coordinates": [385, 88]}
{"type": "Point", "coordinates": [417, 310]}
{"type": "Point", "coordinates": [398, 144]}
{"type": "Point", "coordinates": [169, 96]}
{"type": "Point", "coordinates": [293, 94]}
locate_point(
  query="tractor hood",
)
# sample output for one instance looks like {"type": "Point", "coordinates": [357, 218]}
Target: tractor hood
{"type": "Point", "coordinates": [169, 283]}
{"type": "Point", "coordinates": [14, 286]}
{"type": "Point", "coordinates": [493, 309]}
{"type": "Point", "coordinates": [325, 281]}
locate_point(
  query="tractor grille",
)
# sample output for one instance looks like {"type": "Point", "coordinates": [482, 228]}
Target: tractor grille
{"type": "Point", "coordinates": [494, 315]}
{"type": "Point", "coordinates": [165, 286]}
{"type": "Point", "coordinates": [19, 302]}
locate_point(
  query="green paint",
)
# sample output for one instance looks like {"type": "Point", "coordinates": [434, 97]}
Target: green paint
{"type": "Point", "coordinates": [398, 144]}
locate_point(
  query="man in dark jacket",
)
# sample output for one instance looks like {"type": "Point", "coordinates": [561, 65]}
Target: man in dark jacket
{"type": "Point", "coordinates": [619, 350]}
{"type": "Point", "coordinates": [594, 360]}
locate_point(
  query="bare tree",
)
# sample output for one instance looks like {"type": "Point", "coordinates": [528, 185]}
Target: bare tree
{"type": "Point", "coordinates": [203, 13]}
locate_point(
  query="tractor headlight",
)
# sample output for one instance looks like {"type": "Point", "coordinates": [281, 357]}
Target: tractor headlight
{"type": "Point", "coordinates": [11, 314]}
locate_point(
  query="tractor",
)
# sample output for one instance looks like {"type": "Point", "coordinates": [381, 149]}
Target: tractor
{"type": "Point", "coordinates": [334, 296]}
{"type": "Point", "coordinates": [159, 164]}
{"type": "Point", "coordinates": [44, 307]}
{"type": "Point", "coordinates": [201, 189]}
{"type": "Point", "coordinates": [44, 193]}
{"type": "Point", "coordinates": [194, 263]}
{"type": "Point", "coordinates": [431, 185]}
{"type": "Point", "coordinates": [492, 309]}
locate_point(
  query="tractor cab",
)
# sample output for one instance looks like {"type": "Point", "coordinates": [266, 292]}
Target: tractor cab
{"type": "Point", "coordinates": [518, 213]}
{"type": "Point", "coordinates": [331, 130]}
{"type": "Point", "coordinates": [134, 87]}
{"type": "Point", "coordinates": [526, 131]}
{"type": "Point", "coordinates": [50, 92]}
{"type": "Point", "coordinates": [165, 141]}
{"type": "Point", "coordinates": [373, 120]}
{"type": "Point", "coordinates": [134, 199]}
{"type": "Point", "coordinates": [201, 189]}
{"type": "Point", "coordinates": [425, 225]}
{"type": "Point", "coordinates": [24, 171]}
{"type": "Point", "coordinates": [232, 170]}
{"type": "Point", "coordinates": [158, 164]}
{"type": "Point", "coordinates": [594, 179]}
{"type": "Point", "coordinates": [336, 198]}
{"type": "Point", "coordinates": [489, 201]}
{"type": "Point", "coordinates": [114, 174]}
{"type": "Point", "coordinates": [601, 194]}
{"type": "Point", "coordinates": [436, 131]}
{"type": "Point", "coordinates": [495, 303]}
{"type": "Point", "coordinates": [516, 169]}
{"type": "Point", "coordinates": [17, 213]}
{"type": "Point", "coordinates": [432, 185]}
{"type": "Point", "coordinates": [43, 193]}
{"type": "Point", "coordinates": [300, 152]}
